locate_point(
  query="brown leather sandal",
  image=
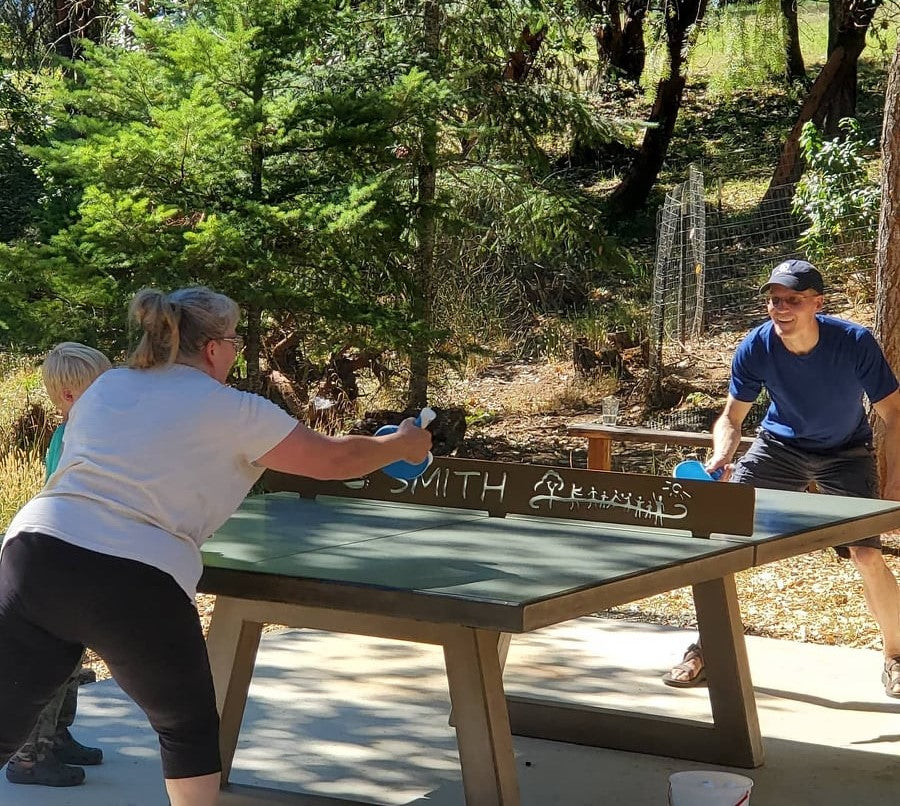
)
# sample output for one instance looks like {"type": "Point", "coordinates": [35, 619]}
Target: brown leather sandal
{"type": "Point", "coordinates": [890, 677]}
{"type": "Point", "coordinates": [694, 677]}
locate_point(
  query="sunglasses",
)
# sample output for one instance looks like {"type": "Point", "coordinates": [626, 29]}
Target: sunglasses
{"type": "Point", "coordinates": [792, 301]}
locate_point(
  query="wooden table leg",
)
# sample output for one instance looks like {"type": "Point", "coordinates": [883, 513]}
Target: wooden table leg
{"type": "Point", "coordinates": [732, 739]}
{"type": "Point", "coordinates": [232, 644]}
{"type": "Point", "coordinates": [599, 453]}
{"type": "Point", "coordinates": [502, 652]}
{"type": "Point", "coordinates": [482, 721]}
{"type": "Point", "coordinates": [728, 671]}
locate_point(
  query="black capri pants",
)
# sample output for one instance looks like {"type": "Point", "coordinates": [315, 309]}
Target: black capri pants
{"type": "Point", "coordinates": [56, 598]}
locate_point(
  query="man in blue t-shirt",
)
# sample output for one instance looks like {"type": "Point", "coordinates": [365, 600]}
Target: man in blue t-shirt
{"type": "Point", "coordinates": [815, 369]}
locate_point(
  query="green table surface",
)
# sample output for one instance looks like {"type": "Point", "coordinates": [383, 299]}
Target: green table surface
{"type": "Point", "coordinates": [462, 553]}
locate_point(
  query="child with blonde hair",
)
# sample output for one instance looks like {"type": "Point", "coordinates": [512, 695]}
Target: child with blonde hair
{"type": "Point", "coordinates": [51, 756]}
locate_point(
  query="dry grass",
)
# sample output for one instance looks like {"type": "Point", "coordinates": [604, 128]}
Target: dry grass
{"type": "Point", "coordinates": [21, 477]}
{"type": "Point", "coordinates": [20, 388]}
{"type": "Point", "coordinates": [21, 466]}
{"type": "Point", "coordinates": [523, 389]}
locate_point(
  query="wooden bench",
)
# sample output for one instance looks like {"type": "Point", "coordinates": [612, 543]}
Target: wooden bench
{"type": "Point", "coordinates": [601, 437]}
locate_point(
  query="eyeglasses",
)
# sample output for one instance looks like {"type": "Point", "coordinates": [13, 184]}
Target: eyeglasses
{"type": "Point", "coordinates": [236, 341]}
{"type": "Point", "coordinates": [793, 301]}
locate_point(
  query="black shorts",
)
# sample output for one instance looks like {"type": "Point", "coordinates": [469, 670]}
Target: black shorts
{"type": "Point", "coordinates": [774, 465]}
{"type": "Point", "coordinates": [56, 598]}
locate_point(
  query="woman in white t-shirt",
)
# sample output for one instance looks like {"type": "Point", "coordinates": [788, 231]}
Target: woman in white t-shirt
{"type": "Point", "coordinates": [157, 457]}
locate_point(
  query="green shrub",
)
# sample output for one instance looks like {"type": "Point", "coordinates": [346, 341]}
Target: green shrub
{"type": "Point", "coordinates": [839, 197]}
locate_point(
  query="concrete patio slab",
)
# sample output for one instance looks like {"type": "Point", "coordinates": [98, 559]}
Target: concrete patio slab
{"type": "Point", "coordinates": [367, 719]}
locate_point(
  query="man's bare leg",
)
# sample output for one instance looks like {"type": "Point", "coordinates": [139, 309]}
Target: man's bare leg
{"type": "Point", "coordinates": [883, 598]}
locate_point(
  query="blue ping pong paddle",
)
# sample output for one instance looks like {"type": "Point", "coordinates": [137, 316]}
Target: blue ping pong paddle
{"type": "Point", "coordinates": [694, 470]}
{"type": "Point", "coordinates": [407, 471]}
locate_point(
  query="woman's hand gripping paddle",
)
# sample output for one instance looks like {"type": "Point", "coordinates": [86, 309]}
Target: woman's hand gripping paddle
{"type": "Point", "coordinates": [407, 471]}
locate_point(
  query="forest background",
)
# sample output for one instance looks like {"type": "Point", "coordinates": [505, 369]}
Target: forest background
{"type": "Point", "coordinates": [417, 201]}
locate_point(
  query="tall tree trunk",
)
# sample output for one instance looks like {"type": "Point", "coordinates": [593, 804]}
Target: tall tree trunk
{"type": "Point", "coordinates": [426, 224]}
{"type": "Point", "coordinates": [521, 60]}
{"type": "Point", "coordinates": [788, 169]}
{"type": "Point", "coordinates": [620, 37]}
{"type": "Point", "coordinates": [887, 261]}
{"type": "Point", "coordinates": [836, 79]}
{"type": "Point", "coordinates": [417, 394]}
{"type": "Point", "coordinates": [843, 100]}
{"type": "Point", "coordinates": [75, 20]}
{"type": "Point", "coordinates": [608, 34]}
{"type": "Point", "coordinates": [795, 69]}
{"type": "Point", "coordinates": [253, 345]}
{"type": "Point", "coordinates": [835, 15]}
{"type": "Point", "coordinates": [630, 63]}
{"type": "Point", "coordinates": [633, 191]}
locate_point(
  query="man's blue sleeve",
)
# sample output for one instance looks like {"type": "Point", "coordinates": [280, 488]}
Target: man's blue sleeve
{"type": "Point", "coordinates": [872, 369]}
{"type": "Point", "coordinates": [746, 378]}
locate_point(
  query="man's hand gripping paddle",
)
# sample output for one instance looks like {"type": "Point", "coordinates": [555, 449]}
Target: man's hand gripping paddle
{"type": "Point", "coordinates": [407, 471]}
{"type": "Point", "coordinates": [694, 470]}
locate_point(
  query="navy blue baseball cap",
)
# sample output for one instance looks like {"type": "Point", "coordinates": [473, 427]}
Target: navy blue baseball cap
{"type": "Point", "coordinates": [798, 275]}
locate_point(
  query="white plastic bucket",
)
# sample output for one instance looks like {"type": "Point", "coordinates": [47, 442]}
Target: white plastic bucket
{"type": "Point", "coordinates": [708, 788]}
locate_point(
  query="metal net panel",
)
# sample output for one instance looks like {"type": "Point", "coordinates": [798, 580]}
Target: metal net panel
{"type": "Point", "coordinates": [743, 248]}
{"type": "Point", "coordinates": [711, 260]}
{"type": "Point", "coordinates": [680, 270]}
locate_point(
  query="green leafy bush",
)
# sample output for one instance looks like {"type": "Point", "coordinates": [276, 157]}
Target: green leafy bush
{"type": "Point", "coordinates": [838, 195]}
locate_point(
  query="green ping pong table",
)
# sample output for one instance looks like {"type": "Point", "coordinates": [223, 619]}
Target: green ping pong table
{"type": "Point", "coordinates": [474, 552]}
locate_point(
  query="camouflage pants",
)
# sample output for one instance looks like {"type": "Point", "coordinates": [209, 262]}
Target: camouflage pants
{"type": "Point", "coordinates": [57, 715]}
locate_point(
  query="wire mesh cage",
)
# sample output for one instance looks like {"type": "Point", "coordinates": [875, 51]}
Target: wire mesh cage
{"type": "Point", "coordinates": [711, 259]}
{"type": "Point", "coordinates": [679, 276]}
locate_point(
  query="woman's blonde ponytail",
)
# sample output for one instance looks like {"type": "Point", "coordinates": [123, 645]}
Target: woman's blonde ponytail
{"type": "Point", "coordinates": [177, 326]}
{"type": "Point", "coordinates": [159, 319]}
